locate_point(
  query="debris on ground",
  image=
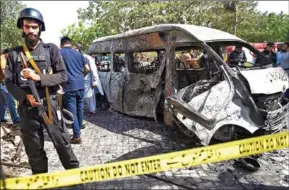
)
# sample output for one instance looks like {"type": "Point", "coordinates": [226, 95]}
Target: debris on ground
{"type": "Point", "coordinates": [13, 157]}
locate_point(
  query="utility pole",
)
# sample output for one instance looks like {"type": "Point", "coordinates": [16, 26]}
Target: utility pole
{"type": "Point", "coordinates": [235, 18]}
{"type": "Point", "coordinates": [233, 7]}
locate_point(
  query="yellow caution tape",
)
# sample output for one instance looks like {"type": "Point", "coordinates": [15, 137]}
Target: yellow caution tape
{"type": "Point", "coordinates": [152, 164]}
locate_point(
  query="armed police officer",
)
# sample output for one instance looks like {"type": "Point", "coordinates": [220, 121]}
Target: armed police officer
{"type": "Point", "coordinates": [53, 73]}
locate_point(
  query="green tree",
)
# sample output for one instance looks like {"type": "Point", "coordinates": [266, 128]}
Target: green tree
{"type": "Point", "coordinates": [107, 18]}
{"type": "Point", "coordinates": [84, 34]}
{"type": "Point", "coordinates": [10, 34]}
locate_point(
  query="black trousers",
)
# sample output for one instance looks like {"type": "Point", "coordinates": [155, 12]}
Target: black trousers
{"type": "Point", "coordinates": [33, 138]}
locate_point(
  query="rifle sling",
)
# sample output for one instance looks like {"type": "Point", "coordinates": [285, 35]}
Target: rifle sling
{"type": "Point", "coordinates": [35, 67]}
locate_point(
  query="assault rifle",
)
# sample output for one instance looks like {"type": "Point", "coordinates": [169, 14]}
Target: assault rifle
{"type": "Point", "coordinates": [34, 92]}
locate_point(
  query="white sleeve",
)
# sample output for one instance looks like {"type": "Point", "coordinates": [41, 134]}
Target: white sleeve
{"type": "Point", "coordinates": [93, 69]}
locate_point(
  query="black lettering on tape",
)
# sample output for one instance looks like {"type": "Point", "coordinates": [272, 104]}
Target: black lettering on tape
{"type": "Point", "coordinates": [272, 144]}
{"type": "Point", "coordinates": [117, 171]}
{"type": "Point", "coordinates": [119, 168]}
{"type": "Point", "coordinates": [95, 174]}
{"type": "Point", "coordinates": [36, 178]}
{"type": "Point", "coordinates": [260, 146]}
{"type": "Point", "coordinates": [114, 171]}
{"type": "Point", "coordinates": [107, 172]}
{"type": "Point", "coordinates": [158, 161]}
{"type": "Point", "coordinates": [281, 141]}
{"type": "Point", "coordinates": [267, 143]}
{"type": "Point", "coordinates": [131, 168]}
{"type": "Point", "coordinates": [286, 140]}
{"type": "Point", "coordinates": [102, 173]}
{"type": "Point", "coordinates": [241, 148]}
{"type": "Point", "coordinates": [150, 165]}
{"type": "Point", "coordinates": [185, 161]}
{"type": "Point", "coordinates": [252, 147]}
{"type": "Point", "coordinates": [209, 155]}
{"type": "Point", "coordinates": [82, 176]}
{"type": "Point", "coordinates": [46, 181]}
{"type": "Point", "coordinates": [90, 175]}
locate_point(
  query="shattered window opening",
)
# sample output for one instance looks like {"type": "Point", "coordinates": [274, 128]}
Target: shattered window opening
{"type": "Point", "coordinates": [239, 54]}
{"type": "Point", "coordinates": [103, 62]}
{"type": "Point", "coordinates": [194, 64]}
{"type": "Point", "coordinates": [119, 62]}
{"type": "Point", "coordinates": [146, 62]}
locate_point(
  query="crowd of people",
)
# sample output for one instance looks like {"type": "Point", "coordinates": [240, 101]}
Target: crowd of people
{"type": "Point", "coordinates": [277, 58]}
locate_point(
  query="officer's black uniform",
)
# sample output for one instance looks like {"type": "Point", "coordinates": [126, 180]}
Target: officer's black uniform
{"type": "Point", "coordinates": [270, 54]}
{"type": "Point", "coordinates": [47, 57]}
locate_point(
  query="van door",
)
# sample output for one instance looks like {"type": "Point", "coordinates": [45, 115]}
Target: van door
{"type": "Point", "coordinates": [117, 80]}
{"type": "Point", "coordinates": [143, 84]}
{"type": "Point", "coordinates": [103, 64]}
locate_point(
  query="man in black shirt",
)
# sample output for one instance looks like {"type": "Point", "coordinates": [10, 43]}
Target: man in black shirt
{"type": "Point", "coordinates": [269, 53]}
{"type": "Point", "coordinates": [48, 60]}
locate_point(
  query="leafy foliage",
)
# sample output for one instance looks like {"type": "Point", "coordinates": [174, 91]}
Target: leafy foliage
{"type": "Point", "coordinates": [111, 17]}
{"type": "Point", "coordinates": [10, 34]}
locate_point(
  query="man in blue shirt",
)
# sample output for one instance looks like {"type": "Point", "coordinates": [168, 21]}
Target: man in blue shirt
{"type": "Point", "coordinates": [74, 87]}
{"type": "Point", "coordinates": [285, 61]}
{"type": "Point", "coordinates": [280, 54]}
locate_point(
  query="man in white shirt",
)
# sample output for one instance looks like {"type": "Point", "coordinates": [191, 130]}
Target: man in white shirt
{"type": "Point", "coordinates": [91, 81]}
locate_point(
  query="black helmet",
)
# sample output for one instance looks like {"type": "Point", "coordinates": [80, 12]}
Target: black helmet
{"type": "Point", "coordinates": [30, 13]}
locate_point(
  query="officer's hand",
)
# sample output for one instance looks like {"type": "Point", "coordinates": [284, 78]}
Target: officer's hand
{"type": "Point", "coordinates": [29, 74]}
{"type": "Point", "coordinates": [30, 98]}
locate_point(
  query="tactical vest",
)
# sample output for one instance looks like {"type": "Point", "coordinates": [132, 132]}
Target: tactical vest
{"type": "Point", "coordinates": [43, 61]}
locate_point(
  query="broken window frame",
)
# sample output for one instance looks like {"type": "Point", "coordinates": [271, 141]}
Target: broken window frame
{"type": "Point", "coordinates": [107, 54]}
{"type": "Point", "coordinates": [187, 110]}
{"type": "Point", "coordinates": [124, 58]}
{"type": "Point", "coordinates": [141, 71]}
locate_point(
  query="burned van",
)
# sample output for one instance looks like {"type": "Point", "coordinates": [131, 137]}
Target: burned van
{"type": "Point", "coordinates": [180, 75]}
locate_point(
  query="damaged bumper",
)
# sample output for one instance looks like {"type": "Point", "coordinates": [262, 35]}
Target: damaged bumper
{"type": "Point", "coordinates": [278, 119]}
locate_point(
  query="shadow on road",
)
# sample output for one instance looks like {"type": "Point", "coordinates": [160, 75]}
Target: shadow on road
{"type": "Point", "coordinates": [121, 124]}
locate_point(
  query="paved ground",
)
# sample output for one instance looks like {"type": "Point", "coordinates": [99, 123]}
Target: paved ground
{"type": "Point", "coordinates": [111, 136]}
